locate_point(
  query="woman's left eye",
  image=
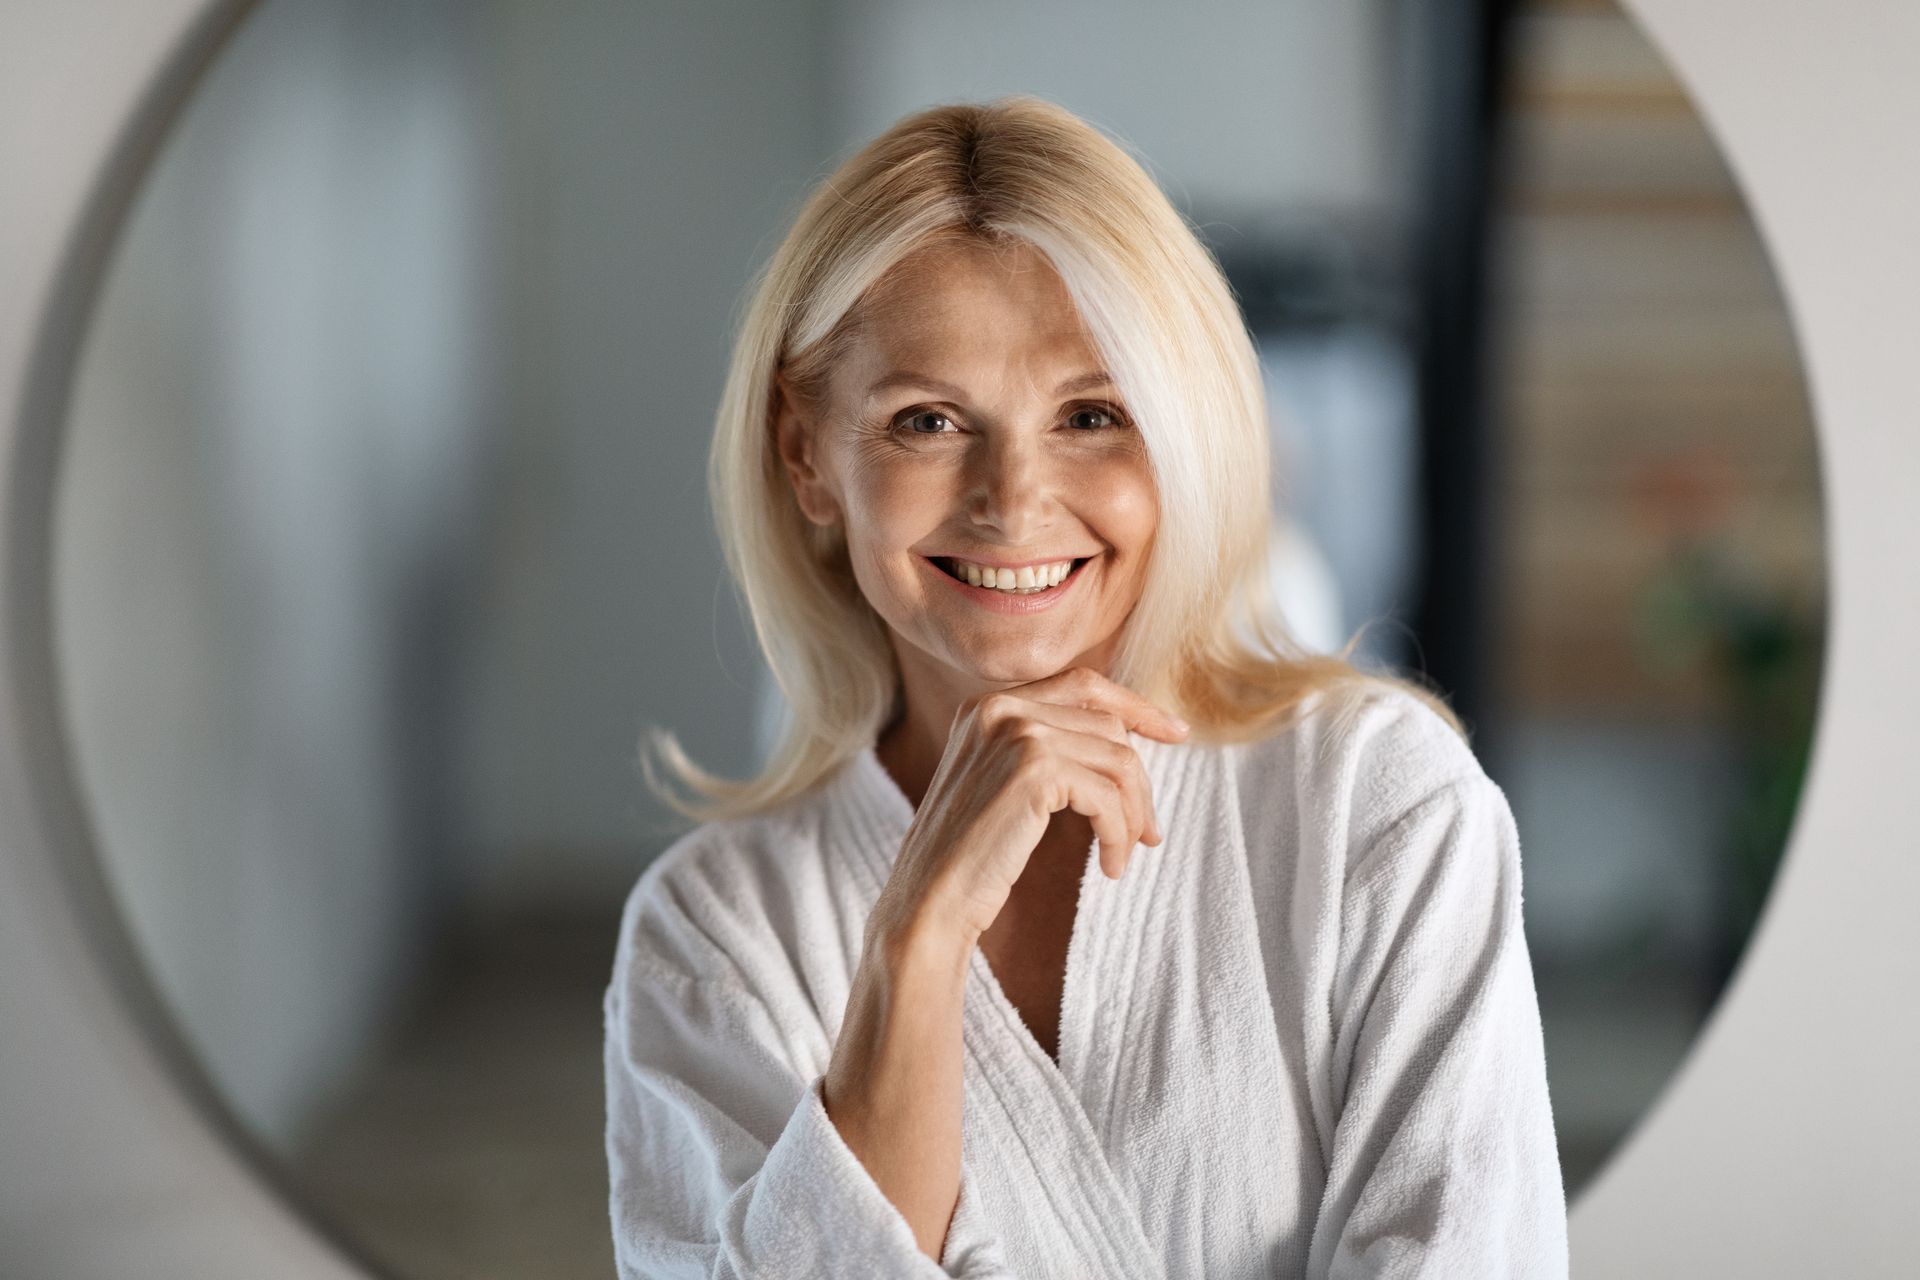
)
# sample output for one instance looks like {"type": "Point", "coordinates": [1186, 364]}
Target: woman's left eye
{"type": "Point", "coordinates": [1098, 411]}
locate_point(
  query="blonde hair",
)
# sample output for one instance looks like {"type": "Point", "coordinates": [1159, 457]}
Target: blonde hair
{"type": "Point", "coordinates": [1205, 639]}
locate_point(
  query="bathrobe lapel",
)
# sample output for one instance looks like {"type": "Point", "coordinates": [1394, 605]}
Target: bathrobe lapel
{"type": "Point", "coordinates": [1183, 1069]}
{"type": "Point", "coordinates": [1141, 1144]}
{"type": "Point", "coordinates": [1034, 1169]}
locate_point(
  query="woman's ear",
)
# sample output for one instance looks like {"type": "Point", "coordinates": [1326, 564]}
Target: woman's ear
{"type": "Point", "coordinates": [794, 437]}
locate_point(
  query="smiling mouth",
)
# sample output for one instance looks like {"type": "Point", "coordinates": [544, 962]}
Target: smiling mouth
{"type": "Point", "coordinates": [946, 565]}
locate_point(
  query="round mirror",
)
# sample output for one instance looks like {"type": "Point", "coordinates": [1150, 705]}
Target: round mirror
{"type": "Point", "coordinates": [380, 531]}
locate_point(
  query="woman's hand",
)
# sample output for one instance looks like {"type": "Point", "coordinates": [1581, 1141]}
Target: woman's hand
{"type": "Point", "coordinates": [1014, 758]}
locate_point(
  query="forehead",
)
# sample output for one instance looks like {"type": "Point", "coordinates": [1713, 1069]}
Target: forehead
{"type": "Point", "coordinates": [967, 305]}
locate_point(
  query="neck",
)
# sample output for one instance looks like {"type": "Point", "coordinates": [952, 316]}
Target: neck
{"type": "Point", "coordinates": [911, 747]}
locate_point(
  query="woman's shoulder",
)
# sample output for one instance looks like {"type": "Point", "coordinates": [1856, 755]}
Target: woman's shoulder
{"type": "Point", "coordinates": [1359, 757]}
{"type": "Point", "coordinates": [699, 909]}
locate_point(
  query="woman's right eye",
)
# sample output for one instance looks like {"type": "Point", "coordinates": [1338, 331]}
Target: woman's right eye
{"type": "Point", "coordinates": [906, 422]}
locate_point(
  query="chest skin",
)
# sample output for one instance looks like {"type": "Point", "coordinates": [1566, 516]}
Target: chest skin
{"type": "Point", "coordinates": [1026, 947]}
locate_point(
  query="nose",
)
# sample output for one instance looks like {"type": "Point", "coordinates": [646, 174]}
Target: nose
{"type": "Point", "coordinates": [1012, 488]}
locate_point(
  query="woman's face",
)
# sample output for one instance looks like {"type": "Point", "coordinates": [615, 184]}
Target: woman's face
{"type": "Point", "coordinates": [972, 427]}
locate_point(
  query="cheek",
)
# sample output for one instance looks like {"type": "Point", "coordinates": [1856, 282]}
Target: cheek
{"type": "Point", "coordinates": [1126, 504]}
{"type": "Point", "coordinates": [890, 508]}
{"type": "Point", "coordinates": [888, 511]}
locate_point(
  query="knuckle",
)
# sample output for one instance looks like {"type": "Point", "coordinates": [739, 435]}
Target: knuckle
{"type": "Point", "coordinates": [992, 707]}
{"type": "Point", "coordinates": [1024, 730]}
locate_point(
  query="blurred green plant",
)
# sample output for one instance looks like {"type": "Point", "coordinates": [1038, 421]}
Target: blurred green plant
{"type": "Point", "coordinates": [1709, 611]}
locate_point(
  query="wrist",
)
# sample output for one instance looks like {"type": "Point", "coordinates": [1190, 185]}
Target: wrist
{"type": "Point", "coordinates": [902, 1026]}
{"type": "Point", "coordinates": [920, 939]}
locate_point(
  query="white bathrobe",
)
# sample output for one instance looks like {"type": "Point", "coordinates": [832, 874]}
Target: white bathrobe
{"type": "Point", "coordinates": [1299, 1038]}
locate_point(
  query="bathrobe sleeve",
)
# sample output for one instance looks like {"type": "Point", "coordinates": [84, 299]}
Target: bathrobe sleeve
{"type": "Point", "coordinates": [1444, 1161]}
{"type": "Point", "coordinates": [722, 1159]}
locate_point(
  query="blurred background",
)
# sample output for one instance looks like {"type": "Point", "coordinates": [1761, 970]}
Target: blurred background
{"type": "Point", "coordinates": [381, 531]}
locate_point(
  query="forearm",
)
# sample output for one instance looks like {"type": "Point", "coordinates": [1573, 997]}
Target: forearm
{"type": "Point", "coordinates": [894, 1087]}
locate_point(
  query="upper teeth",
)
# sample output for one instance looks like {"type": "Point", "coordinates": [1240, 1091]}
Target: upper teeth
{"type": "Point", "coordinates": [1027, 578]}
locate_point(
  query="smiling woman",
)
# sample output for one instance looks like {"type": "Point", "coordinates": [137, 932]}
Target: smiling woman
{"type": "Point", "coordinates": [984, 254]}
{"type": "Point", "coordinates": [991, 470]}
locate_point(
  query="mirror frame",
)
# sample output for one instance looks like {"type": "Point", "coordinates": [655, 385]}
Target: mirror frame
{"type": "Point", "coordinates": [120, 1159]}
{"type": "Point", "coordinates": [120, 1156]}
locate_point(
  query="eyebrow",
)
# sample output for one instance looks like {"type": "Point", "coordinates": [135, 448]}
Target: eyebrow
{"type": "Point", "coordinates": [907, 378]}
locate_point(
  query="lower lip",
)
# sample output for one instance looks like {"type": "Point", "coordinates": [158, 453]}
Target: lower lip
{"type": "Point", "coordinates": [1009, 601]}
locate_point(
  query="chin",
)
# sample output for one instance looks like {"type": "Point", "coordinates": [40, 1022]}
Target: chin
{"type": "Point", "coordinates": [1022, 670]}
{"type": "Point", "coordinates": [1010, 670]}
